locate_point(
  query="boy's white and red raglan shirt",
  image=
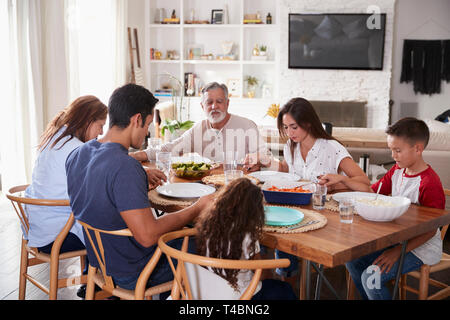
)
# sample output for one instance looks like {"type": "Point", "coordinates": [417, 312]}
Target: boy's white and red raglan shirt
{"type": "Point", "coordinates": [425, 189]}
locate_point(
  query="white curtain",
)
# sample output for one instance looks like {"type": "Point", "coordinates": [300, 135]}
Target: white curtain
{"type": "Point", "coordinates": [55, 51]}
{"type": "Point", "coordinates": [21, 85]}
{"type": "Point", "coordinates": [96, 46]}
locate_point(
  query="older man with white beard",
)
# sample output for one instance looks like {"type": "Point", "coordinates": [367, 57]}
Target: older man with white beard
{"type": "Point", "coordinates": [219, 132]}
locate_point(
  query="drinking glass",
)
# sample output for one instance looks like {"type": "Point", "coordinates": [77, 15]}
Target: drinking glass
{"type": "Point", "coordinates": [231, 175]}
{"type": "Point", "coordinates": [319, 196]}
{"type": "Point", "coordinates": [229, 160]}
{"type": "Point", "coordinates": [346, 209]}
{"type": "Point", "coordinates": [163, 162]}
{"type": "Point", "coordinates": [155, 144]}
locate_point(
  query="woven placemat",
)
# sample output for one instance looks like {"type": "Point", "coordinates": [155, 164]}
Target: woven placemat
{"type": "Point", "coordinates": [333, 205]}
{"type": "Point", "coordinates": [161, 200]}
{"type": "Point", "coordinates": [309, 215]}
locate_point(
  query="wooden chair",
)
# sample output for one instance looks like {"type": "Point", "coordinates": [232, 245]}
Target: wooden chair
{"type": "Point", "coordinates": [18, 201]}
{"type": "Point", "coordinates": [192, 281]}
{"type": "Point", "coordinates": [424, 275]}
{"type": "Point", "coordinates": [106, 282]}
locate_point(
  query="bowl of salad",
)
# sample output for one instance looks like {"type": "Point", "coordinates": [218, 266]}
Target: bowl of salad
{"type": "Point", "coordinates": [191, 170]}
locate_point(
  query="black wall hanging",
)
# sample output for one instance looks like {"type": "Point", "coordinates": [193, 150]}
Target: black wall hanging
{"type": "Point", "coordinates": [426, 63]}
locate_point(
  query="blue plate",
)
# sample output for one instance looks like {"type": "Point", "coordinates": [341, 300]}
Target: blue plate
{"type": "Point", "coordinates": [280, 216]}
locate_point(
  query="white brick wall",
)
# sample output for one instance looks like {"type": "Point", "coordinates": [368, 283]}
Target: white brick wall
{"type": "Point", "coordinates": [339, 85]}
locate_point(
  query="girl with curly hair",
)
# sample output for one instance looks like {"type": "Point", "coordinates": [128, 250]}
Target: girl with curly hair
{"type": "Point", "coordinates": [231, 229]}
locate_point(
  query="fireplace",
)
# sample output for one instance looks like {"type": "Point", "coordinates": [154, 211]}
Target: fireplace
{"type": "Point", "coordinates": [342, 113]}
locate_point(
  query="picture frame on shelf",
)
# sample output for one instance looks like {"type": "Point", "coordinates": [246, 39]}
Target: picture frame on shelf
{"type": "Point", "coordinates": [267, 91]}
{"type": "Point", "coordinates": [234, 87]}
{"type": "Point", "coordinates": [217, 16]}
{"type": "Point", "coordinates": [194, 51]}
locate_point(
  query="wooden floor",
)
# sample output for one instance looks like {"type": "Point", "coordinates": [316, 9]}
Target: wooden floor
{"type": "Point", "coordinates": [10, 239]}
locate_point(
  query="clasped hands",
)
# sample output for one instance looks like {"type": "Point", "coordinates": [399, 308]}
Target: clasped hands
{"type": "Point", "coordinates": [255, 161]}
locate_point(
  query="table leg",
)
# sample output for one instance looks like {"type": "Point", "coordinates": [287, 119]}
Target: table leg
{"type": "Point", "coordinates": [318, 284]}
{"type": "Point", "coordinates": [400, 267]}
{"type": "Point", "coordinates": [321, 275]}
{"type": "Point", "coordinates": [308, 278]}
{"type": "Point", "coordinates": [302, 293]}
{"type": "Point", "coordinates": [158, 213]}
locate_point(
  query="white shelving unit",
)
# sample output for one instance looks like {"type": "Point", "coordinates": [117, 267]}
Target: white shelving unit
{"type": "Point", "coordinates": [209, 37]}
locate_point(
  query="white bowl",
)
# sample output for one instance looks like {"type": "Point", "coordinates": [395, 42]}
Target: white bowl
{"type": "Point", "coordinates": [380, 213]}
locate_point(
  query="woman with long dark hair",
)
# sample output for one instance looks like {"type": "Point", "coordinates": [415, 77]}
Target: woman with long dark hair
{"type": "Point", "coordinates": [79, 122]}
{"type": "Point", "coordinates": [231, 229]}
{"type": "Point", "coordinates": [310, 152]}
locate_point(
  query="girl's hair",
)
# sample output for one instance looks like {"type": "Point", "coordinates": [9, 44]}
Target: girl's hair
{"type": "Point", "coordinates": [306, 117]}
{"type": "Point", "coordinates": [76, 117]}
{"type": "Point", "coordinates": [237, 211]}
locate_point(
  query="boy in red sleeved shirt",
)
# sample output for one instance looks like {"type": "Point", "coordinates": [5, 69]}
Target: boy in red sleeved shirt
{"type": "Point", "coordinates": [413, 178]}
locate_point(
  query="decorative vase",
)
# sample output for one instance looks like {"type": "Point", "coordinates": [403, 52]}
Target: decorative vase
{"type": "Point", "coordinates": [251, 91]}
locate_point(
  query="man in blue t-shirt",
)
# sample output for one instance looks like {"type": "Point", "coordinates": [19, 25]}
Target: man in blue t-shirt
{"type": "Point", "coordinates": [108, 190]}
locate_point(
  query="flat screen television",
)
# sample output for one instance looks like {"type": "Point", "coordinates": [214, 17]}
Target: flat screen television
{"type": "Point", "coordinates": [336, 41]}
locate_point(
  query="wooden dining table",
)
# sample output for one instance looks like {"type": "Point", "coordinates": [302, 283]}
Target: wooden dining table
{"type": "Point", "coordinates": [337, 243]}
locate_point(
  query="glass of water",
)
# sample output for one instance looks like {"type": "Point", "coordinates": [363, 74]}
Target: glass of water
{"type": "Point", "coordinates": [319, 196]}
{"type": "Point", "coordinates": [346, 209]}
{"type": "Point", "coordinates": [155, 144]}
{"type": "Point", "coordinates": [229, 160]}
{"type": "Point", "coordinates": [163, 162]}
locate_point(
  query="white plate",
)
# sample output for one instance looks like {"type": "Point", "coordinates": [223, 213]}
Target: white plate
{"type": "Point", "coordinates": [274, 175]}
{"type": "Point", "coordinates": [185, 190]}
{"type": "Point", "coordinates": [353, 195]}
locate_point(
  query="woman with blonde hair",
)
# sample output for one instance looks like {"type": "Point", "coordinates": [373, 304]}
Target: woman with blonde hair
{"type": "Point", "coordinates": [78, 123]}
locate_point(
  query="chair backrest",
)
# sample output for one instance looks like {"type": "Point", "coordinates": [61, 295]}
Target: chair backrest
{"type": "Point", "coordinates": [99, 250]}
{"type": "Point", "coordinates": [328, 127]}
{"type": "Point", "coordinates": [192, 281]}
{"type": "Point", "coordinates": [18, 200]}
{"type": "Point", "coordinates": [444, 228]}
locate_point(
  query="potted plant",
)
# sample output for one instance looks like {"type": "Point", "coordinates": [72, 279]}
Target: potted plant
{"type": "Point", "coordinates": [175, 127]}
{"type": "Point", "coordinates": [252, 82]}
{"type": "Point", "coordinates": [263, 50]}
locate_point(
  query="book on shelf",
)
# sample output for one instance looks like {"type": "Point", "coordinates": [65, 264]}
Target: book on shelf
{"type": "Point", "coordinates": [252, 21]}
{"type": "Point", "coordinates": [171, 20]}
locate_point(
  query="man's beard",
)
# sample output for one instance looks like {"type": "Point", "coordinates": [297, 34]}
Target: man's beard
{"type": "Point", "coordinates": [220, 115]}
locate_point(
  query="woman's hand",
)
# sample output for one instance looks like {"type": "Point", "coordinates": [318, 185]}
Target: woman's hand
{"type": "Point", "coordinates": [155, 177]}
{"type": "Point", "coordinates": [330, 179]}
{"type": "Point", "coordinates": [387, 259]}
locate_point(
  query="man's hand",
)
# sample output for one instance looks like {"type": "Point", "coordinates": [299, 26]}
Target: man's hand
{"type": "Point", "coordinates": [204, 202]}
{"type": "Point", "coordinates": [155, 177]}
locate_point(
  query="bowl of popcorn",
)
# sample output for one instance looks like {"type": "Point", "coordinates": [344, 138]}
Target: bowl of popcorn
{"type": "Point", "coordinates": [381, 209]}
